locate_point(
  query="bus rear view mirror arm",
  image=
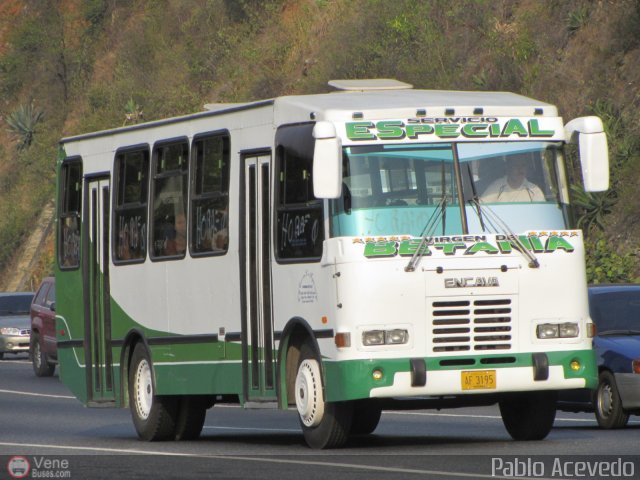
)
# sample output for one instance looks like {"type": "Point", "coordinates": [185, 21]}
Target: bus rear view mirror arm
{"type": "Point", "coordinates": [588, 133]}
{"type": "Point", "coordinates": [327, 161]}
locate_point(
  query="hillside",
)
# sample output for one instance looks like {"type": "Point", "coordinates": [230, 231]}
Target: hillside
{"type": "Point", "coordinates": [73, 66]}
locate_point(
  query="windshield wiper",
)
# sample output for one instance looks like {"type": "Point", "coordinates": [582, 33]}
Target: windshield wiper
{"type": "Point", "coordinates": [427, 231]}
{"type": "Point", "coordinates": [494, 219]}
{"type": "Point", "coordinates": [476, 198]}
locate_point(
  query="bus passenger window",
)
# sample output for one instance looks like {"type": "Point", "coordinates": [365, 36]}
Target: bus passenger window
{"type": "Point", "coordinates": [130, 210]}
{"type": "Point", "coordinates": [210, 194]}
{"type": "Point", "coordinates": [169, 207]}
{"type": "Point", "coordinates": [299, 215]}
{"type": "Point", "coordinates": [70, 206]}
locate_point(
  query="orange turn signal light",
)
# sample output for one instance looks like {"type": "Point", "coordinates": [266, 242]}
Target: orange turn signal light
{"type": "Point", "coordinates": [343, 339]}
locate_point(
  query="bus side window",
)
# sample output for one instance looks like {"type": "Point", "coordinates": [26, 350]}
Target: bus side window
{"type": "Point", "coordinates": [300, 216]}
{"type": "Point", "coordinates": [210, 194]}
{"type": "Point", "coordinates": [130, 205]}
{"type": "Point", "coordinates": [169, 207]}
{"type": "Point", "coordinates": [70, 209]}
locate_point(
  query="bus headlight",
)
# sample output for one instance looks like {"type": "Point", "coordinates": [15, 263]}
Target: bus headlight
{"type": "Point", "coordinates": [547, 330]}
{"type": "Point", "coordinates": [558, 330]}
{"type": "Point", "coordinates": [568, 330]}
{"type": "Point", "coordinates": [397, 336]}
{"type": "Point", "coordinates": [373, 337]}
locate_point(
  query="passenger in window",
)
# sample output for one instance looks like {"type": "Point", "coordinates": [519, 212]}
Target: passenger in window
{"type": "Point", "coordinates": [176, 241]}
{"type": "Point", "coordinates": [514, 186]}
{"type": "Point", "coordinates": [70, 242]}
{"type": "Point", "coordinates": [221, 235]}
{"type": "Point", "coordinates": [124, 251]}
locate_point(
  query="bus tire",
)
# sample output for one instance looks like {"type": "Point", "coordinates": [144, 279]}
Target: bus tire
{"type": "Point", "coordinates": [41, 365]}
{"type": "Point", "coordinates": [324, 424]}
{"type": "Point", "coordinates": [608, 406]}
{"type": "Point", "coordinates": [366, 416]}
{"type": "Point", "coordinates": [529, 415]}
{"type": "Point", "coordinates": [192, 411]}
{"type": "Point", "coordinates": [154, 417]}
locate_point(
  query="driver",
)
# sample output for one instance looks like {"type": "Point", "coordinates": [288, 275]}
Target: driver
{"type": "Point", "coordinates": [514, 186]}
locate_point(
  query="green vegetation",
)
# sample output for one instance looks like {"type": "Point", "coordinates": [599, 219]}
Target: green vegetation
{"type": "Point", "coordinates": [96, 64]}
{"type": "Point", "coordinates": [22, 123]}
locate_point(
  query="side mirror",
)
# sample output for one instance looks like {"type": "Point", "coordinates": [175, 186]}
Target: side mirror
{"type": "Point", "coordinates": [588, 132]}
{"type": "Point", "coordinates": [327, 161]}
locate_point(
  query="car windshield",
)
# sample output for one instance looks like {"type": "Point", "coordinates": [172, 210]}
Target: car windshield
{"type": "Point", "coordinates": [616, 312]}
{"type": "Point", "coordinates": [393, 189]}
{"type": "Point", "coordinates": [15, 304]}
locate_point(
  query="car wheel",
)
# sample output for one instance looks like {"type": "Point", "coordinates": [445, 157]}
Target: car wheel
{"type": "Point", "coordinates": [608, 405]}
{"type": "Point", "coordinates": [154, 416]}
{"type": "Point", "coordinates": [324, 424]}
{"type": "Point", "coordinates": [530, 415]}
{"type": "Point", "coordinates": [41, 365]}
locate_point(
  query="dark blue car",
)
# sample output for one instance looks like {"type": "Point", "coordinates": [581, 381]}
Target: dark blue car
{"type": "Point", "coordinates": [615, 309]}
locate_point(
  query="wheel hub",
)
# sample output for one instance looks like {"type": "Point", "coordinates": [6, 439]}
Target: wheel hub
{"type": "Point", "coordinates": [605, 400]}
{"type": "Point", "coordinates": [143, 389]}
{"type": "Point", "coordinates": [308, 390]}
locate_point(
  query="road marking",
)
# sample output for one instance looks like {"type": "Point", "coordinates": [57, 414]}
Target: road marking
{"type": "Point", "coordinates": [256, 429]}
{"type": "Point", "coordinates": [464, 415]}
{"type": "Point", "coordinates": [15, 392]}
{"type": "Point", "coordinates": [353, 466]}
{"type": "Point", "coordinates": [391, 412]}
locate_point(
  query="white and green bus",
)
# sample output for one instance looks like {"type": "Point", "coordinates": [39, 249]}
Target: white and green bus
{"type": "Point", "coordinates": [341, 253]}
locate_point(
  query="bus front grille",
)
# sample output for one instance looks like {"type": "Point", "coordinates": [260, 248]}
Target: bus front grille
{"type": "Point", "coordinates": [461, 326]}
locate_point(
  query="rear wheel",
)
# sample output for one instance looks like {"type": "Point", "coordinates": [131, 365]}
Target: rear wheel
{"type": "Point", "coordinates": [609, 412]}
{"type": "Point", "coordinates": [41, 365]}
{"type": "Point", "coordinates": [530, 415]}
{"type": "Point", "coordinates": [154, 417]}
{"type": "Point", "coordinates": [192, 411]}
{"type": "Point", "coordinates": [324, 424]}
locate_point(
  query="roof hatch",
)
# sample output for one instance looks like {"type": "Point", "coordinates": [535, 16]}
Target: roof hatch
{"type": "Point", "coordinates": [366, 84]}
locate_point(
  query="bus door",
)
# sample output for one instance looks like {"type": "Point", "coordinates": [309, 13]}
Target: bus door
{"type": "Point", "coordinates": [97, 315]}
{"type": "Point", "coordinates": [258, 351]}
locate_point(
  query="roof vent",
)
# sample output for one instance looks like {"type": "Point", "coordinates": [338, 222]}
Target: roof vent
{"type": "Point", "coordinates": [370, 84]}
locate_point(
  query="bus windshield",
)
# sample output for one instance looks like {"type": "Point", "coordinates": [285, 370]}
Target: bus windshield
{"type": "Point", "coordinates": [399, 189]}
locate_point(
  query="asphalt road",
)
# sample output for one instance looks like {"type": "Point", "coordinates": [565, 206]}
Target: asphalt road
{"type": "Point", "coordinates": [59, 438]}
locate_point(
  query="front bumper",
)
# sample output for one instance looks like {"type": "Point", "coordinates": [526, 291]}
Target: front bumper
{"type": "Point", "coordinates": [629, 390]}
{"type": "Point", "coordinates": [14, 343]}
{"type": "Point", "coordinates": [354, 379]}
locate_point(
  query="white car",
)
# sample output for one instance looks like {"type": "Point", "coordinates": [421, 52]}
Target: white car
{"type": "Point", "coordinates": [15, 322]}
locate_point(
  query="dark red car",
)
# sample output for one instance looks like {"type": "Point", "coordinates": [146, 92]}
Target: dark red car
{"type": "Point", "coordinates": [43, 349]}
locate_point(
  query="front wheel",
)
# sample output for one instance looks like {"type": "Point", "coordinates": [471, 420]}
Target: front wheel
{"type": "Point", "coordinates": [154, 417]}
{"type": "Point", "coordinates": [324, 424]}
{"type": "Point", "coordinates": [366, 416]}
{"type": "Point", "coordinates": [530, 415]}
{"type": "Point", "coordinates": [609, 412]}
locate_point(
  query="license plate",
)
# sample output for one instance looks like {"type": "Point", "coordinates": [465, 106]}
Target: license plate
{"type": "Point", "coordinates": [478, 380]}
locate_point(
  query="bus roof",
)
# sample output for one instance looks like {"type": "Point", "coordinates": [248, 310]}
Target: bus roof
{"type": "Point", "coordinates": [368, 100]}
{"type": "Point", "coordinates": [409, 103]}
